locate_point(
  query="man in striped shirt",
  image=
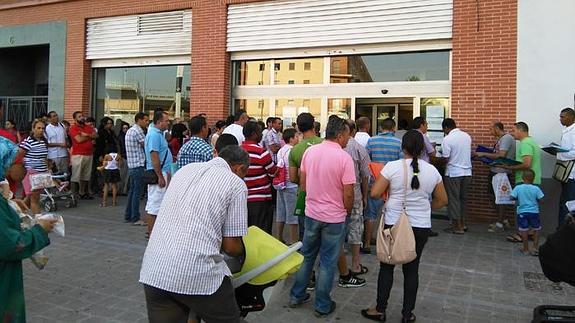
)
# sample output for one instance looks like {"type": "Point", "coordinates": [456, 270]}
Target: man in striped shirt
{"type": "Point", "coordinates": [259, 178]}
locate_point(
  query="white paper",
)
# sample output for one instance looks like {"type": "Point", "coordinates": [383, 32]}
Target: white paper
{"type": "Point", "coordinates": [434, 111]}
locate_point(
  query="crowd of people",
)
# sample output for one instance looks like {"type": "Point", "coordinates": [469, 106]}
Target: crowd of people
{"type": "Point", "coordinates": [204, 186]}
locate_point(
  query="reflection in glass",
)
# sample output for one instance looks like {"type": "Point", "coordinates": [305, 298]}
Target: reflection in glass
{"type": "Point", "coordinates": [434, 110]}
{"type": "Point", "coordinates": [289, 109]}
{"type": "Point", "coordinates": [339, 107]}
{"type": "Point", "coordinates": [286, 71]}
{"type": "Point", "coordinates": [256, 108]}
{"type": "Point", "coordinates": [415, 66]}
{"type": "Point", "coordinates": [253, 73]}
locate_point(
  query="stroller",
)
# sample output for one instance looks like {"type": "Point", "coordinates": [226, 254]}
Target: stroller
{"type": "Point", "coordinates": [59, 191]}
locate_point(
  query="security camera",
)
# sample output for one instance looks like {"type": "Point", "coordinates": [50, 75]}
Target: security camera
{"type": "Point", "coordinates": [384, 91]}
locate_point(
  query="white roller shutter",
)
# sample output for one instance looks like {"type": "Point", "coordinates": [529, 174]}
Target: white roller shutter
{"type": "Point", "coordinates": [149, 35]}
{"type": "Point", "coordinates": [320, 23]}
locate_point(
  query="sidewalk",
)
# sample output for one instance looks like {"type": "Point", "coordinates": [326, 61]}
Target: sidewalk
{"type": "Point", "coordinates": [92, 276]}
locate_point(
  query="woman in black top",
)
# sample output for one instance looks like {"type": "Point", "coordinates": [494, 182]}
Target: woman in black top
{"type": "Point", "coordinates": [106, 138]}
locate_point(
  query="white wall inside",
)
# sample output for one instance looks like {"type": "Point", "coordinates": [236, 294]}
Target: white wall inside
{"type": "Point", "coordinates": [545, 68]}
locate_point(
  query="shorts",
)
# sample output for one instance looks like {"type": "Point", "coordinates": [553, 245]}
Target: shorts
{"type": "Point", "coordinates": [81, 168]}
{"type": "Point", "coordinates": [155, 197]}
{"type": "Point", "coordinates": [61, 164]}
{"type": "Point", "coordinates": [26, 182]}
{"type": "Point", "coordinates": [285, 206]}
{"type": "Point", "coordinates": [526, 221]}
{"type": "Point", "coordinates": [354, 224]}
{"type": "Point", "coordinates": [112, 176]}
{"type": "Point", "coordinates": [373, 209]}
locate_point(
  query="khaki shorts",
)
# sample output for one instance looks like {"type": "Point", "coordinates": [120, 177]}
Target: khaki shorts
{"type": "Point", "coordinates": [81, 168]}
{"type": "Point", "coordinates": [354, 224]}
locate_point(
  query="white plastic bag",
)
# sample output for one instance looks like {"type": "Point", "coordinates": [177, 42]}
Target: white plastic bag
{"type": "Point", "coordinates": [59, 228]}
{"type": "Point", "coordinates": [502, 189]}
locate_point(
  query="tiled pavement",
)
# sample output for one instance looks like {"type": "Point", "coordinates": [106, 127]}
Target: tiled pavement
{"type": "Point", "coordinates": [92, 276]}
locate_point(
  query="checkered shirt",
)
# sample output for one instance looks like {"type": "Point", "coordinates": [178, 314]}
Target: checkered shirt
{"type": "Point", "coordinates": [196, 150]}
{"type": "Point", "coordinates": [135, 147]}
{"type": "Point", "coordinates": [272, 137]}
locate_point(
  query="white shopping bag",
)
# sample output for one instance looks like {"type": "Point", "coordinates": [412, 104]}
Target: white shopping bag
{"type": "Point", "coordinates": [502, 189]}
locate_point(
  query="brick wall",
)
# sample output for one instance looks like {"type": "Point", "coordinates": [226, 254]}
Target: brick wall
{"type": "Point", "coordinates": [483, 79]}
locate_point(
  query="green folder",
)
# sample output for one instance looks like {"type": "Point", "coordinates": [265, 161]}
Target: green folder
{"type": "Point", "coordinates": [300, 204]}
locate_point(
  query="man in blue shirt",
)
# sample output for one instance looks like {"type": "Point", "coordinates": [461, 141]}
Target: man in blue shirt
{"type": "Point", "coordinates": [158, 159]}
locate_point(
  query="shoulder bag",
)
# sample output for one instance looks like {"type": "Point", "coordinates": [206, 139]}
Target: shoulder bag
{"type": "Point", "coordinates": [150, 176]}
{"type": "Point", "coordinates": [562, 170]}
{"type": "Point", "coordinates": [396, 245]}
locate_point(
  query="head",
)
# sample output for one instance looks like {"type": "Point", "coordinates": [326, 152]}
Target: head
{"type": "Point", "coordinates": [413, 146]}
{"type": "Point", "coordinates": [111, 150]}
{"type": "Point", "coordinates": [317, 128]}
{"type": "Point", "coordinates": [403, 124]}
{"type": "Point", "coordinates": [142, 120]}
{"type": "Point", "coordinates": [363, 124]}
{"type": "Point", "coordinates": [161, 120]}
{"type": "Point", "coordinates": [352, 127]}
{"type": "Point", "coordinates": [223, 141]}
{"type": "Point", "coordinates": [261, 123]}
{"type": "Point", "coordinates": [198, 127]}
{"type": "Point", "coordinates": [521, 130]}
{"type": "Point", "coordinates": [44, 117]}
{"type": "Point", "coordinates": [305, 122]}
{"type": "Point", "coordinates": [230, 119]}
{"type": "Point", "coordinates": [419, 123]}
{"type": "Point", "coordinates": [78, 117]}
{"type": "Point", "coordinates": [106, 123]}
{"type": "Point", "coordinates": [277, 124]}
{"type": "Point", "coordinates": [91, 121]}
{"type": "Point", "coordinates": [178, 131]}
{"type": "Point", "coordinates": [528, 176]}
{"type": "Point", "coordinates": [290, 136]}
{"type": "Point", "coordinates": [220, 126]}
{"type": "Point", "coordinates": [8, 151]}
{"type": "Point", "coordinates": [241, 117]}
{"type": "Point", "coordinates": [53, 117]}
{"type": "Point", "coordinates": [388, 125]}
{"type": "Point", "coordinates": [10, 124]}
{"type": "Point", "coordinates": [269, 122]}
{"type": "Point", "coordinates": [252, 131]}
{"type": "Point", "coordinates": [497, 129]}
{"type": "Point", "coordinates": [38, 127]}
{"type": "Point", "coordinates": [567, 117]}
{"type": "Point", "coordinates": [447, 125]}
{"type": "Point", "coordinates": [237, 158]}
{"type": "Point", "coordinates": [337, 130]}
{"type": "Point", "coordinates": [125, 127]}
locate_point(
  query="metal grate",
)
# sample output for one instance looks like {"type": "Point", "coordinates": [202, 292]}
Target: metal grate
{"type": "Point", "coordinates": [22, 109]}
{"type": "Point", "coordinates": [161, 23]}
{"type": "Point", "coordinates": [537, 282]}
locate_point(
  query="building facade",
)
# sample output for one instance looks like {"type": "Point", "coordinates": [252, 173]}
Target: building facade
{"type": "Point", "coordinates": [474, 61]}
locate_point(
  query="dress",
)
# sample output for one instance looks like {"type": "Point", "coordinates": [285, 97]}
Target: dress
{"type": "Point", "coordinates": [15, 245]}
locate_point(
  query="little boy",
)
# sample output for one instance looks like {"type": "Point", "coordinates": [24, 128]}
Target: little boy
{"type": "Point", "coordinates": [528, 197]}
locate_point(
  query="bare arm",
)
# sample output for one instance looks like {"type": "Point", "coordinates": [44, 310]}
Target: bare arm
{"type": "Point", "coordinates": [154, 155]}
{"type": "Point", "coordinates": [348, 197]}
{"type": "Point", "coordinates": [233, 246]}
{"type": "Point", "coordinates": [496, 155]}
{"type": "Point", "coordinates": [81, 138]}
{"type": "Point", "coordinates": [526, 164]}
{"type": "Point", "coordinates": [379, 187]}
{"type": "Point", "coordinates": [302, 181]}
{"type": "Point", "coordinates": [294, 175]}
{"type": "Point", "coordinates": [364, 187]}
{"type": "Point", "coordinates": [439, 197]}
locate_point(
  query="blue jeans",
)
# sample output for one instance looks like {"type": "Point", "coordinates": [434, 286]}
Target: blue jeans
{"type": "Point", "coordinates": [325, 239]}
{"type": "Point", "coordinates": [132, 213]}
{"type": "Point", "coordinates": [567, 194]}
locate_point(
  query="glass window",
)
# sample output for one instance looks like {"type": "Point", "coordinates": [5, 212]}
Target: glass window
{"type": "Point", "coordinates": [277, 66]}
{"type": "Point", "coordinates": [291, 82]}
{"type": "Point", "coordinates": [307, 66]}
{"type": "Point", "coordinates": [417, 66]}
{"type": "Point", "coordinates": [256, 108]}
{"type": "Point", "coordinates": [434, 110]}
{"type": "Point", "coordinates": [252, 73]}
{"type": "Point", "coordinates": [339, 107]}
{"type": "Point", "coordinates": [289, 108]}
{"type": "Point", "coordinates": [292, 66]}
{"type": "Point", "coordinates": [122, 92]}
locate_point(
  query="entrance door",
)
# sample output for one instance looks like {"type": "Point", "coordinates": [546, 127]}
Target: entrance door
{"type": "Point", "coordinates": [382, 112]}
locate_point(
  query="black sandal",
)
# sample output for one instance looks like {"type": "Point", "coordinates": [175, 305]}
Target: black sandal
{"type": "Point", "coordinates": [374, 317]}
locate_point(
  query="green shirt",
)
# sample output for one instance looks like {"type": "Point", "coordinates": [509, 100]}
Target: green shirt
{"type": "Point", "coordinates": [296, 153]}
{"type": "Point", "coordinates": [528, 147]}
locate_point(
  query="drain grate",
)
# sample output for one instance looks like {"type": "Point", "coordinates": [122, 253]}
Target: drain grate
{"type": "Point", "coordinates": [537, 282]}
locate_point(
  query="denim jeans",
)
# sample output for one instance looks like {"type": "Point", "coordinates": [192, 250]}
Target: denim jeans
{"type": "Point", "coordinates": [325, 239]}
{"type": "Point", "coordinates": [567, 194]}
{"type": "Point", "coordinates": [132, 212]}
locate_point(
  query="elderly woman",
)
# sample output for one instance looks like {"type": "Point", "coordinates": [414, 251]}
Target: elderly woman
{"type": "Point", "coordinates": [15, 244]}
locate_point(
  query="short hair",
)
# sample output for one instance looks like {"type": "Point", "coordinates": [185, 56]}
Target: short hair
{"type": "Point", "coordinates": [351, 124]}
{"type": "Point", "coordinates": [316, 126]}
{"type": "Point", "coordinates": [335, 126]}
{"type": "Point", "coordinates": [158, 115]}
{"type": "Point", "coordinates": [250, 128]}
{"type": "Point", "coordinates": [50, 113]}
{"type": "Point", "coordinates": [388, 124]}
{"type": "Point", "coordinates": [270, 120]}
{"type": "Point", "coordinates": [569, 111]}
{"type": "Point", "coordinates": [91, 119]}
{"type": "Point", "coordinates": [196, 124]}
{"type": "Point", "coordinates": [220, 124]}
{"type": "Point", "coordinates": [305, 121]}
{"type": "Point", "coordinates": [235, 155]}
{"type": "Point", "coordinates": [362, 122]}
{"type": "Point", "coordinates": [522, 126]}
{"type": "Point", "coordinates": [528, 175]}
{"type": "Point", "coordinates": [261, 124]}
{"type": "Point", "coordinates": [224, 140]}
{"type": "Point", "coordinates": [448, 123]}
{"type": "Point", "coordinates": [75, 114]}
{"type": "Point", "coordinates": [238, 115]}
{"type": "Point", "coordinates": [139, 116]}
{"type": "Point", "coordinates": [43, 115]}
{"type": "Point", "coordinates": [418, 122]}
{"type": "Point", "coordinates": [288, 134]}
{"type": "Point", "coordinates": [498, 125]}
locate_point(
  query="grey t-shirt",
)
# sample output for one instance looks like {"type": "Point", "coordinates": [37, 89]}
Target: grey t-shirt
{"type": "Point", "coordinates": [507, 143]}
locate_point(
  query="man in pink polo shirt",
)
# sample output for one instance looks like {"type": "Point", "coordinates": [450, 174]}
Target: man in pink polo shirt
{"type": "Point", "coordinates": [327, 176]}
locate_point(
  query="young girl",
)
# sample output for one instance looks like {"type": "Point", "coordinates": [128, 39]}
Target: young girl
{"type": "Point", "coordinates": [110, 167]}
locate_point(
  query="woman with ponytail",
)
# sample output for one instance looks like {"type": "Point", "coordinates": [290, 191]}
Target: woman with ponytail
{"type": "Point", "coordinates": [424, 192]}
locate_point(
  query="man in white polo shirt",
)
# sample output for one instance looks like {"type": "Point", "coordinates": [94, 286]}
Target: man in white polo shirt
{"type": "Point", "coordinates": [567, 119]}
{"type": "Point", "coordinates": [456, 151]}
{"type": "Point", "coordinates": [237, 128]}
{"type": "Point", "coordinates": [57, 146]}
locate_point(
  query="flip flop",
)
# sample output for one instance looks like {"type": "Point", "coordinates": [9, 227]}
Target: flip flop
{"type": "Point", "coordinates": [514, 238]}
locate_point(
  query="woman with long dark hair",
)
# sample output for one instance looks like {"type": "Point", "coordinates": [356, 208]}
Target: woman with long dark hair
{"type": "Point", "coordinates": [177, 140]}
{"type": "Point", "coordinates": [107, 139]}
{"type": "Point", "coordinates": [425, 183]}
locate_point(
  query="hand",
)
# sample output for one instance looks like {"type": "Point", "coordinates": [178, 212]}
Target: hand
{"type": "Point", "coordinates": [161, 182]}
{"type": "Point", "coordinates": [23, 207]}
{"type": "Point", "coordinates": [47, 225]}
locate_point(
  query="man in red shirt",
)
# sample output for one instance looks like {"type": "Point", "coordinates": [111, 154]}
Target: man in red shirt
{"type": "Point", "coordinates": [259, 178]}
{"type": "Point", "coordinates": [82, 135]}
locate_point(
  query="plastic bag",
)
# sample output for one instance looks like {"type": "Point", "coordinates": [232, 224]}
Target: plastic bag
{"type": "Point", "coordinates": [502, 189]}
{"type": "Point", "coordinates": [59, 228]}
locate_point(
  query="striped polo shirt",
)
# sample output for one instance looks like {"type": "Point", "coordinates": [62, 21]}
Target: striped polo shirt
{"type": "Point", "coordinates": [384, 147]}
{"type": "Point", "coordinates": [260, 173]}
{"type": "Point", "coordinates": [36, 154]}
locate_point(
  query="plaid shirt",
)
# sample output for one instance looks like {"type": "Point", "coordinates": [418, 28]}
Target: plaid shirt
{"type": "Point", "coordinates": [195, 151]}
{"type": "Point", "coordinates": [272, 137]}
{"type": "Point", "coordinates": [135, 147]}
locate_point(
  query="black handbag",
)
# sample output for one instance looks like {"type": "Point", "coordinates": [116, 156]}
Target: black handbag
{"type": "Point", "coordinates": [150, 176]}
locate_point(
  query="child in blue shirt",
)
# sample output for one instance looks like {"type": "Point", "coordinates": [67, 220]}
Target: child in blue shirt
{"type": "Point", "coordinates": [528, 197]}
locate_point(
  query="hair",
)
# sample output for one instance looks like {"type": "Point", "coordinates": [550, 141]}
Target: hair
{"type": "Point", "coordinates": [418, 122]}
{"type": "Point", "coordinates": [403, 124]}
{"type": "Point", "coordinates": [104, 121]}
{"type": "Point", "coordinates": [50, 114]}
{"type": "Point", "coordinates": [351, 125]}
{"type": "Point", "coordinates": [225, 140]}
{"type": "Point", "coordinates": [90, 119]}
{"type": "Point", "coordinates": [335, 126]}
{"type": "Point", "coordinates": [12, 122]}
{"type": "Point", "coordinates": [35, 121]}
{"type": "Point", "coordinates": [124, 123]}
{"type": "Point", "coordinates": [262, 124]}
{"type": "Point", "coordinates": [362, 122]}
{"type": "Point", "coordinates": [110, 149]}
{"type": "Point", "coordinates": [42, 115]}
{"type": "Point", "coordinates": [75, 114]}
{"type": "Point", "coordinates": [235, 155]}
{"type": "Point", "coordinates": [270, 120]}
{"type": "Point", "coordinates": [522, 126]}
{"type": "Point", "coordinates": [178, 132]}
{"type": "Point", "coordinates": [288, 134]}
{"type": "Point", "coordinates": [139, 116]}
{"type": "Point", "coordinates": [528, 176]}
{"type": "Point", "coordinates": [238, 115]}
{"type": "Point", "coordinates": [158, 115]}
{"type": "Point", "coordinates": [569, 112]}
{"type": "Point", "coordinates": [388, 124]}
{"type": "Point", "coordinates": [305, 122]}
{"type": "Point", "coordinates": [197, 123]}
{"type": "Point", "coordinates": [448, 123]}
{"type": "Point", "coordinates": [230, 119]}
{"type": "Point", "coordinates": [66, 122]}
{"type": "Point", "coordinates": [220, 124]}
{"type": "Point", "coordinates": [498, 125]}
{"type": "Point", "coordinates": [412, 143]}
{"type": "Point", "coordinates": [316, 126]}
{"type": "Point", "coordinates": [250, 128]}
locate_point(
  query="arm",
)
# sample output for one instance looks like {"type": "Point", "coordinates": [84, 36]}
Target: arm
{"type": "Point", "coordinates": [364, 187]}
{"type": "Point", "coordinates": [156, 163]}
{"type": "Point", "coordinates": [236, 223]}
{"type": "Point", "coordinates": [526, 164]}
{"type": "Point", "coordinates": [233, 246]}
{"type": "Point", "coordinates": [439, 195]}
{"type": "Point", "coordinates": [496, 155]}
{"type": "Point", "coordinates": [379, 187]}
{"type": "Point", "coordinates": [348, 197]}
{"type": "Point", "coordinates": [294, 175]}
{"type": "Point", "coordinates": [269, 164]}
{"type": "Point", "coordinates": [302, 181]}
